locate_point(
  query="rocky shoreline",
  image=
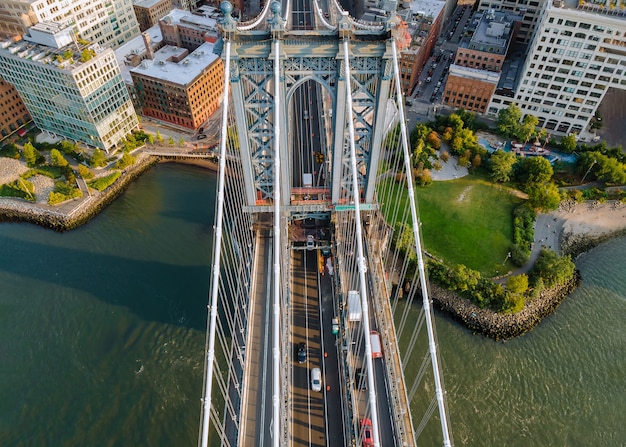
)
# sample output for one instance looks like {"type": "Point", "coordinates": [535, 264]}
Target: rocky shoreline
{"type": "Point", "coordinates": [501, 326]}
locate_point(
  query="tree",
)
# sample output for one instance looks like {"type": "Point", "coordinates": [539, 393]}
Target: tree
{"type": "Point", "coordinates": [159, 137]}
{"type": "Point", "coordinates": [553, 269]}
{"type": "Point", "coordinates": [502, 166]}
{"type": "Point", "coordinates": [31, 155]}
{"type": "Point", "coordinates": [544, 196]}
{"type": "Point", "coordinates": [534, 170]}
{"type": "Point", "coordinates": [527, 128]}
{"type": "Point", "coordinates": [455, 122]}
{"type": "Point", "coordinates": [170, 141]}
{"type": "Point", "coordinates": [517, 284]}
{"type": "Point", "coordinates": [464, 278]}
{"type": "Point", "coordinates": [508, 121]}
{"type": "Point", "coordinates": [569, 143]}
{"type": "Point", "coordinates": [84, 171]}
{"type": "Point", "coordinates": [465, 159]}
{"type": "Point", "coordinates": [150, 138]}
{"type": "Point", "coordinates": [468, 118]}
{"type": "Point", "coordinates": [433, 140]}
{"type": "Point", "coordinates": [447, 134]}
{"type": "Point", "coordinates": [57, 158]}
{"type": "Point", "coordinates": [445, 156]}
{"type": "Point", "coordinates": [181, 141]}
{"type": "Point", "coordinates": [456, 145]}
{"type": "Point", "coordinates": [98, 159]}
{"type": "Point", "coordinates": [476, 161]}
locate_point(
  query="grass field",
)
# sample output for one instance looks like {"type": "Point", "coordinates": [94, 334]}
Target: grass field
{"type": "Point", "coordinates": [464, 221]}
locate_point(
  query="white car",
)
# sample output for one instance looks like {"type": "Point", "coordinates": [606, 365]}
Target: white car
{"type": "Point", "coordinates": [310, 242]}
{"type": "Point", "coordinates": [316, 379]}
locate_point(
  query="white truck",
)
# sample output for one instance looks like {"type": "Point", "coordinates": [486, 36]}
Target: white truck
{"type": "Point", "coordinates": [307, 180]}
{"type": "Point", "coordinates": [354, 305]}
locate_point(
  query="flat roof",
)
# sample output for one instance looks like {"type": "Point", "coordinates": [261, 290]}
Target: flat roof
{"type": "Point", "coordinates": [146, 3]}
{"type": "Point", "coordinates": [591, 7]}
{"type": "Point", "coordinates": [181, 73]}
{"type": "Point", "coordinates": [135, 46]}
{"type": "Point", "coordinates": [185, 18]}
{"type": "Point", "coordinates": [427, 8]}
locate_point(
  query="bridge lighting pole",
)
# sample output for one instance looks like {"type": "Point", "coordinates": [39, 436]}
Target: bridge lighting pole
{"type": "Point", "coordinates": [428, 312]}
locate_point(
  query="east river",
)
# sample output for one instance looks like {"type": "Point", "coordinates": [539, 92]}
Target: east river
{"type": "Point", "coordinates": [102, 335]}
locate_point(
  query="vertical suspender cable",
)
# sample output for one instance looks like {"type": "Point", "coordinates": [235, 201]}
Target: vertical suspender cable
{"type": "Point", "coordinates": [217, 248]}
{"type": "Point", "coordinates": [360, 257]}
{"type": "Point", "coordinates": [277, 258]}
{"type": "Point", "coordinates": [420, 260]}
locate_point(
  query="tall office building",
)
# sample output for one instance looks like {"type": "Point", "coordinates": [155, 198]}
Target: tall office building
{"type": "Point", "coordinates": [71, 90]}
{"type": "Point", "coordinates": [106, 22]}
{"type": "Point", "coordinates": [577, 54]}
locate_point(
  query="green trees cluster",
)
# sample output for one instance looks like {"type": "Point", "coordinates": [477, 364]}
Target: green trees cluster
{"type": "Point", "coordinates": [98, 159]}
{"type": "Point", "coordinates": [126, 160]}
{"type": "Point", "coordinates": [32, 156]}
{"type": "Point", "coordinates": [604, 168]}
{"type": "Point", "coordinates": [523, 234]}
{"type": "Point", "coordinates": [551, 270]}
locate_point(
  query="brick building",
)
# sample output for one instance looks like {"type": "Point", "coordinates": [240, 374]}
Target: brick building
{"type": "Point", "coordinates": [424, 19]}
{"type": "Point", "coordinates": [475, 73]}
{"type": "Point", "coordinates": [149, 12]}
{"type": "Point", "coordinates": [13, 113]}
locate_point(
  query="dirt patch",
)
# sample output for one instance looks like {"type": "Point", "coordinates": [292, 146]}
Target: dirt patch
{"type": "Point", "coordinates": [464, 193]}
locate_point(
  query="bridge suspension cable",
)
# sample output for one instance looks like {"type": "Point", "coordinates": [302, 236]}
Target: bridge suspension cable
{"type": "Point", "coordinates": [360, 252]}
{"type": "Point", "coordinates": [439, 391]}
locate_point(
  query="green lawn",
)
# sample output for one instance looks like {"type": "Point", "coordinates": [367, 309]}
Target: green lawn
{"type": "Point", "coordinates": [464, 221]}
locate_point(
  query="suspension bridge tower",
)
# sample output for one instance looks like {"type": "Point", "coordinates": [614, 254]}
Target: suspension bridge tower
{"type": "Point", "coordinates": [310, 97]}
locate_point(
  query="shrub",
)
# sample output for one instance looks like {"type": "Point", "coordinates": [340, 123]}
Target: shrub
{"type": "Point", "coordinates": [85, 172]}
{"type": "Point", "coordinates": [98, 159]}
{"type": "Point", "coordinates": [103, 183]}
{"type": "Point", "coordinates": [125, 161]}
{"type": "Point", "coordinates": [10, 151]}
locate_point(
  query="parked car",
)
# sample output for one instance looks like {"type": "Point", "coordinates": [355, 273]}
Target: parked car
{"type": "Point", "coordinates": [428, 79]}
{"type": "Point", "coordinates": [302, 353]}
{"type": "Point", "coordinates": [201, 136]}
{"type": "Point", "coordinates": [316, 379]}
{"type": "Point", "coordinates": [310, 242]}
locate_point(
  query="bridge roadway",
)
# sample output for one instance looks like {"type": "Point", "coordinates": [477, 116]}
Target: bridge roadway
{"type": "Point", "coordinates": [315, 418]}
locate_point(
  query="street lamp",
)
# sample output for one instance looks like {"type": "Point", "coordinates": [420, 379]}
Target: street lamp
{"type": "Point", "coordinates": [585, 176]}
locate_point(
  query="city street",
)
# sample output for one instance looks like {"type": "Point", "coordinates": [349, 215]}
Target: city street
{"type": "Point", "coordinates": [431, 83]}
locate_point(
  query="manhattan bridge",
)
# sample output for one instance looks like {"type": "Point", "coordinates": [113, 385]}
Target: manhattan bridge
{"type": "Point", "coordinates": [320, 330]}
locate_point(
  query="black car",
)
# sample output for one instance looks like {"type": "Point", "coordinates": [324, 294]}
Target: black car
{"type": "Point", "coordinates": [301, 353]}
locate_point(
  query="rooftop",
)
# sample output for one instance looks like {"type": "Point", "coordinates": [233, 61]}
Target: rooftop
{"type": "Point", "coordinates": [181, 73]}
{"type": "Point", "coordinates": [136, 49]}
{"type": "Point", "coordinates": [474, 73]}
{"type": "Point", "coordinates": [68, 57]}
{"type": "Point", "coordinates": [146, 3]}
{"type": "Point", "coordinates": [427, 8]}
{"type": "Point", "coordinates": [614, 8]}
{"type": "Point", "coordinates": [205, 20]}
{"type": "Point", "coordinates": [492, 31]}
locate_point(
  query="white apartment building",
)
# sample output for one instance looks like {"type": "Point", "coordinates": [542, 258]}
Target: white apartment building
{"type": "Point", "coordinates": [71, 90]}
{"type": "Point", "coordinates": [107, 22]}
{"type": "Point", "coordinates": [577, 54]}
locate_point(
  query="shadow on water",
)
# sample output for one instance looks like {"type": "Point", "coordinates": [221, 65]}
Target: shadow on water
{"type": "Point", "coordinates": [154, 291]}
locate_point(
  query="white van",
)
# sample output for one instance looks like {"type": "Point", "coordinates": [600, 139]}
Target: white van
{"type": "Point", "coordinates": [377, 349]}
